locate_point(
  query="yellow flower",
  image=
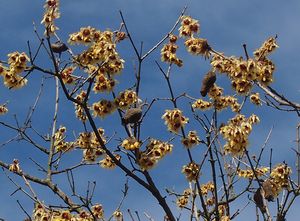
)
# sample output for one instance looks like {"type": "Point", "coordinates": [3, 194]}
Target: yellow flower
{"type": "Point", "coordinates": [103, 108]}
{"type": "Point", "coordinates": [268, 46]}
{"type": "Point", "coordinates": [131, 143]}
{"type": "Point", "coordinates": [59, 140]}
{"type": "Point", "coordinates": [280, 175]}
{"type": "Point", "coordinates": [188, 27]}
{"type": "Point", "coordinates": [108, 163]}
{"type": "Point", "coordinates": [208, 187]}
{"type": "Point", "coordinates": [198, 46]}
{"type": "Point", "coordinates": [191, 171]}
{"type": "Point", "coordinates": [182, 201]}
{"type": "Point", "coordinates": [66, 75]}
{"type": "Point", "coordinates": [174, 120]}
{"type": "Point", "coordinates": [155, 151]}
{"type": "Point", "coordinates": [118, 215]}
{"type": "Point", "coordinates": [3, 109]}
{"type": "Point", "coordinates": [255, 99]}
{"type": "Point", "coordinates": [249, 173]}
{"type": "Point", "coordinates": [236, 133]}
{"type": "Point", "coordinates": [168, 54]}
{"type": "Point", "coordinates": [98, 211]}
{"type": "Point", "coordinates": [125, 99]}
{"type": "Point", "coordinates": [51, 13]}
{"type": "Point", "coordinates": [202, 105]}
{"type": "Point", "coordinates": [191, 140]}
{"type": "Point", "coordinates": [15, 166]}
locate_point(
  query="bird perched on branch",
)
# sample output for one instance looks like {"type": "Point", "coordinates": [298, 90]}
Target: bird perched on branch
{"type": "Point", "coordinates": [59, 47]}
{"type": "Point", "coordinates": [269, 192]}
{"type": "Point", "coordinates": [132, 116]}
{"type": "Point", "coordinates": [259, 199]}
{"type": "Point", "coordinates": [208, 82]}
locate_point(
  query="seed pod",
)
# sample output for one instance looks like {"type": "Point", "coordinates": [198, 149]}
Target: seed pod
{"type": "Point", "coordinates": [208, 82]}
{"type": "Point", "coordinates": [59, 47]}
{"type": "Point", "coordinates": [132, 116]}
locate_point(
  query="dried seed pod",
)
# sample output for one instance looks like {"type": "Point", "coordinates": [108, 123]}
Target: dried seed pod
{"type": "Point", "coordinates": [59, 47]}
{"type": "Point", "coordinates": [132, 116]}
{"type": "Point", "coordinates": [259, 199]}
{"type": "Point", "coordinates": [208, 82]}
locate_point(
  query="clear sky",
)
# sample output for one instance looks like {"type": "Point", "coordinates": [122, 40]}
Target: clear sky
{"type": "Point", "coordinates": [226, 24]}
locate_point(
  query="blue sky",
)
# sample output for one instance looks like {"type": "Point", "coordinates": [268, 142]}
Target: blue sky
{"type": "Point", "coordinates": [226, 24]}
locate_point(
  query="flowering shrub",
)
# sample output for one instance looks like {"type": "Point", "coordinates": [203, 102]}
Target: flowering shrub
{"type": "Point", "coordinates": [87, 78]}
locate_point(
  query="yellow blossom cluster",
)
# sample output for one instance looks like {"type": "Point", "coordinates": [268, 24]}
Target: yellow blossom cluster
{"type": "Point", "coordinates": [3, 109]}
{"type": "Point", "coordinates": [191, 140]}
{"type": "Point", "coordinates": [243, 72]}
{"type": "Point", "coordinates": [41, 213]}
{"type": "Point", "coordinates": [103, 108]}
{"type": "Point", "coordinates": [98, 211]}
{"type": "Point", "coordinates": [79, 111]}
{"type": "Point", "coordinates": [183, 200]}
{"type": "Point", "coordinates": [278, 180]}
{"type": "Point", "coordinates": [280, 175]}
{"type": "Point", "coordinates": [188, 27]}
{"type": "Point", "coordinates": [90, 145]}
{"type": "Point", "coordinates": [125, 99]}
{"type": "Point", "coordinates": [102, 49]}
{"type": "Point", "coordinates": [236, 133]}
{"type": "Point", "coordinates": [120, 36]}
{"type": "Point", "coordinates": [255, 99]}
{"type": "Point", "coordinates": [208, 187]}
{"type": "Point", "coordinates": [15, 166]}
{"type": "Point", "coordinates": [86, 35]}
{"type": "Point", "coordinates": [215, 92]}
{"type": "Point", "coordinates": [51, 13]}
{"type": "Point", "coordinates": [174, 119]}
{"type": "Point", "coordinates": [202, 104]}
{"type": "Point", "coordinates": [108, 162]}
{"type": "Point", "coordinates": [268, 46]}
{"type": "Point", "coordinates": [249, 173]}
{"type": "Point", "coordinates": [219, 101]}
{"type": "Point", "coordinates": [191, 171]}
{"type": "Point", "coordinates": [11, 75]}
{"type": "Point", "coordinates": [59, 140]}
{"type": "Point", "coordinates": [226, 101]}
{"type": "Point", "coordinates": [118, 215]}
{"type": "Point", "coordinates": [66, 75]}
{"type": "Point", "coordinates": [207, 191]}
{"type": "Point", "coordinates": [131, 143]}
{"type": "Point", "coordinates": [155, 151]}
{"type": "Point", "coordinates": [103, 81]}
{"type": "Point", "coordinates": [198, 46]}
{"type": "Point", "coordinates": [168, 52]}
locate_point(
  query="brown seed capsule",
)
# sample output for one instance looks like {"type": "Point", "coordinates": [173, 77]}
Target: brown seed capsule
{"type": "Point", "coordinates": [208, 82]}
{"type": "Point", "coordinates": [132, 116]}
{"type": "Point", "coordinates": [59, 47]}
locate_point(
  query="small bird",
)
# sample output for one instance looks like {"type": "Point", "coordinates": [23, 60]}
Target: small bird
{"type": "Point", "coordinates": [132, 116]}
{"type": "Point", "coordinates": [208, 82]}
{"type": "Point", "coordinates": [59, 47]}
{"type": "Point", "coordinates": [269, 192]}
{"type": "Point", "coordinates": [259, 200]}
